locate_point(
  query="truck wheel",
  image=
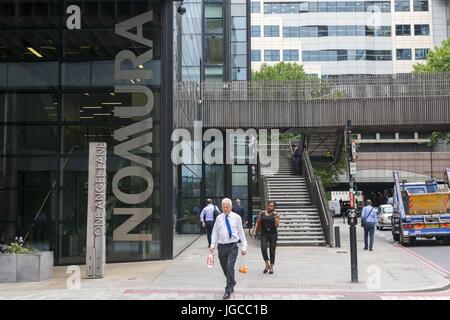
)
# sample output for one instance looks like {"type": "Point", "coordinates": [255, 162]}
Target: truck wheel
{"type": "Point", "coordinates": [395, 236]}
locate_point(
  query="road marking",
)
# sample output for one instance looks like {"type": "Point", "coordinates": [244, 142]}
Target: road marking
{"type": "Point", "coordinates": [424, 260]}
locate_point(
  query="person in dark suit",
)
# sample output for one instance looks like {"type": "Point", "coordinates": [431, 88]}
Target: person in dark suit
{"type": "Point", "coordinates": [240, 210]}
{"type": "Point", "coordinates": [297, 160]}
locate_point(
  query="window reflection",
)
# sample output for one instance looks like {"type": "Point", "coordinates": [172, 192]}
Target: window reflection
{"type": "Point", "coordinates": [91, 107]}
{"type": "Point", "coordinates": [28, 107]}
{"type": "Point", "coordinates": [28, 45]}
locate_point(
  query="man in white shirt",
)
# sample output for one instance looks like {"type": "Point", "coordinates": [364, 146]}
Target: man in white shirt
{"type": "Point", "coordinates": [207, 217]}
{"type": "Point", "coordinates": [226, 233]}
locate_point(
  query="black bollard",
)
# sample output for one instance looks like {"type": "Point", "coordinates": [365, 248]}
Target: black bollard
{"type": "Point", "coordinates": [337, 237]}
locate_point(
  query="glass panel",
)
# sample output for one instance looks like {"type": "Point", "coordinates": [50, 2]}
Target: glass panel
{"type": "Point", "coordinates": [238, 35]}
{"type": "Point", "coordinates": [214, 26]}
{"type": "Point", "coordinates": [239, 47]}
{"type": "Point", "coordinates": [24, 14]}
{"type": "Point", "coordinates": [92, 107]}
{"type": "Point", "coordinates": [30, 140]}
{"type": "Point", "coordinates": [29, 107]}
{"type": "Point", "coordinates": [239, 73]}
{"type": "Point", "coordinates": [214, 50]}
{"type": "Point", "coordinates": [238, 10]}
{"type": "Point", "coordinates": [105, 44]}
{"type": "Point", "coordinates": [239, 23]}
{"type": "Point", "coordinates": [213, 10]}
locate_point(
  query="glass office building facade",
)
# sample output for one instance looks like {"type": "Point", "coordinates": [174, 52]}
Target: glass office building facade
{"type": "Point", "coordinates": [64, 83]}
{"type": "Point", "coordinates": [211, 44]}
{"type": "Point", "coordinates": [74, 72]}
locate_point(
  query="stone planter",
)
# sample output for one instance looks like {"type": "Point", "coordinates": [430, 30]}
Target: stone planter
{"type": "Point", "coordinates": [26, 267]}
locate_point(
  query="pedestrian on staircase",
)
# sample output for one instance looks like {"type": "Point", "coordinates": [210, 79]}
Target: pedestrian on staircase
{"type": "Point", "coordinates": [267, 224]}
{"type": "Point", "coordinates": [297, 160]}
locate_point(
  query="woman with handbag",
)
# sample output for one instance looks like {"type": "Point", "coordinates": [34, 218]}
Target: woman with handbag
{"type": "Point", "coordinates": [267, 224]}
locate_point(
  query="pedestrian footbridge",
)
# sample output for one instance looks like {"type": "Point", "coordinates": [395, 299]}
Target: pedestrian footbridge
{"type": "Point", "coordinates": [410, 102]}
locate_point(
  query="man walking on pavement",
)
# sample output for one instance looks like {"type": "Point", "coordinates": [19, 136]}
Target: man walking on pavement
{"type": "Point", "coordinates": [226, 233]}
{"type": "Point", "coordinates": [207, 217]}
{"type": "Point", "coordinates": [369, 220]}
{"type": "Point", "coordinates": [240, 210]}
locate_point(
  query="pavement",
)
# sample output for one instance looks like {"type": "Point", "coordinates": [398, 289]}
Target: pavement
{"type": "Point", "coordinates": [300, 273]}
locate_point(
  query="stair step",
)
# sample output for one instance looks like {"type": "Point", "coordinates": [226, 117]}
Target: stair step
{"type": "Point", "coordinates": [302, 237]}
{"type": "Point", "coordinates": [300, 209]}
{"type": "Point", "coordinates": [300, 242]}
{"type": "Point", "coordinates": [301, 227]}
{"type": "Point", "coordinates": [300, 231]}
{"type": "Point", "coordinates": [304, 220]}
{"type": "Point", "coordinates": [283, 197]}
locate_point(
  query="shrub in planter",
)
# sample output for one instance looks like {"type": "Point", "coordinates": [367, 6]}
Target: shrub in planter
{"type": "Point", "coordinates": [22, 264]}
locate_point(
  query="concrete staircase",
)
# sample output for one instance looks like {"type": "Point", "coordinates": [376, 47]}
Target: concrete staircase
{"type": "Point", "coordinates": [299, 219]}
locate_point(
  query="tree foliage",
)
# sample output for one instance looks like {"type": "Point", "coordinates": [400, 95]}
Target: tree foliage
{"type": "Point", "coordinates": [438, 59]}
{"type": "Point", "coordinates": [280, 71]}
{"type": "Point", "coordinates": [329, 175]}
{"type": "Point", "coordinates": [439, 137]}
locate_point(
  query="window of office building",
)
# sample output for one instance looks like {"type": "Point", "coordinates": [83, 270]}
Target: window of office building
{"type": "Point", "coordinates": [336, 31]}
{"type": "Point", "coordinates": [343, 55]}
{"type": "Point", "coordinates": [421, 54]}
{"type": "Point", "coordinates": [402, 5]}
{"type": "Point", "coordinates": [256, 55]}
{"type": "Point", "coordinates": [290, 55]}
{"type": "Point", "coordinates": [271, 55]}
{"type": "Point", "coordinates": [214, 34]}
{"type": "Point", "coordinates": [256, 7]}
{"type": "Point", "coordinates": [324, 6]}
{"type": "Point", "coordinates": [421, 29]}
{"type": "Point", "coordinates": [271, 31]}
{"type": "Point", "coordinates": [402, 30]}
{"type": "Point", "coordinates": [403, 54]}
{"type": "Point", "coordinates": [420, 5]}
{"type": "Point", "coordinates": [256, 31]}
{"type": "Point", "coordinates": [238, 40]}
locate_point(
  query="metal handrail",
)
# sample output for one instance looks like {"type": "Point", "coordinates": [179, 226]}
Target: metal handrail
{"type": "Point", "coordinates": [48, 195]}
{"type": "Point", "coordinates": [316, 188]}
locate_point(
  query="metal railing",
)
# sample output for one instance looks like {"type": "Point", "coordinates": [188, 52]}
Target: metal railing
{"type": "Point", "coordinates": [319, 199]}
{"type": "Point", "coordinates": [369, 101]}
{"type": "Point", "coordinates": [47, 196]}
{"type": "Point", "coordinates": [340, 87]}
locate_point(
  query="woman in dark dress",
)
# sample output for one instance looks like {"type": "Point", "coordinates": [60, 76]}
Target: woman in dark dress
{"type": "Point", "coordinates": [267, 225]}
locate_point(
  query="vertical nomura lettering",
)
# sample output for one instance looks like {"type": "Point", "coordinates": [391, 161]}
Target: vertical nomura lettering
{"type": "Point", "coordinates": [134, 142]}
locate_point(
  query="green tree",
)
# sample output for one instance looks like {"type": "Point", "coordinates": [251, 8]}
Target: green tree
{"type": "Point", "coordinates": [280, 71]}
{"type": "Point", "coordinates": [439, 136]}
{"type": "Point", "coordinates": [438, 59]}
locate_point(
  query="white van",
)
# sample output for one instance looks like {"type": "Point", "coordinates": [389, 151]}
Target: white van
{"type": "Point", "coordinates": [335, 207]}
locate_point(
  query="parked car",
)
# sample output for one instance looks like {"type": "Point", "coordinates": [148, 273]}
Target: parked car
{"type": "Point", "coordinates": [390, 201]}
{"type": "Point", "coordinates": [384, 214]}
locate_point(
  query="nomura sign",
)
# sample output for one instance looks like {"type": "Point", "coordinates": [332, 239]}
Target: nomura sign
{"type": "Point", "coordinates": [134, 142]}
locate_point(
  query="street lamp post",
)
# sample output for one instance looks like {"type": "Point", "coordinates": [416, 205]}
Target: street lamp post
{"type": "Point", "coordinates": [352, 216]}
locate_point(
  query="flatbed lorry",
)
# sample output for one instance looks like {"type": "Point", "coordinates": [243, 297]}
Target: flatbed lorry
{"type": "Point", "coordinates": [421, 209]}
